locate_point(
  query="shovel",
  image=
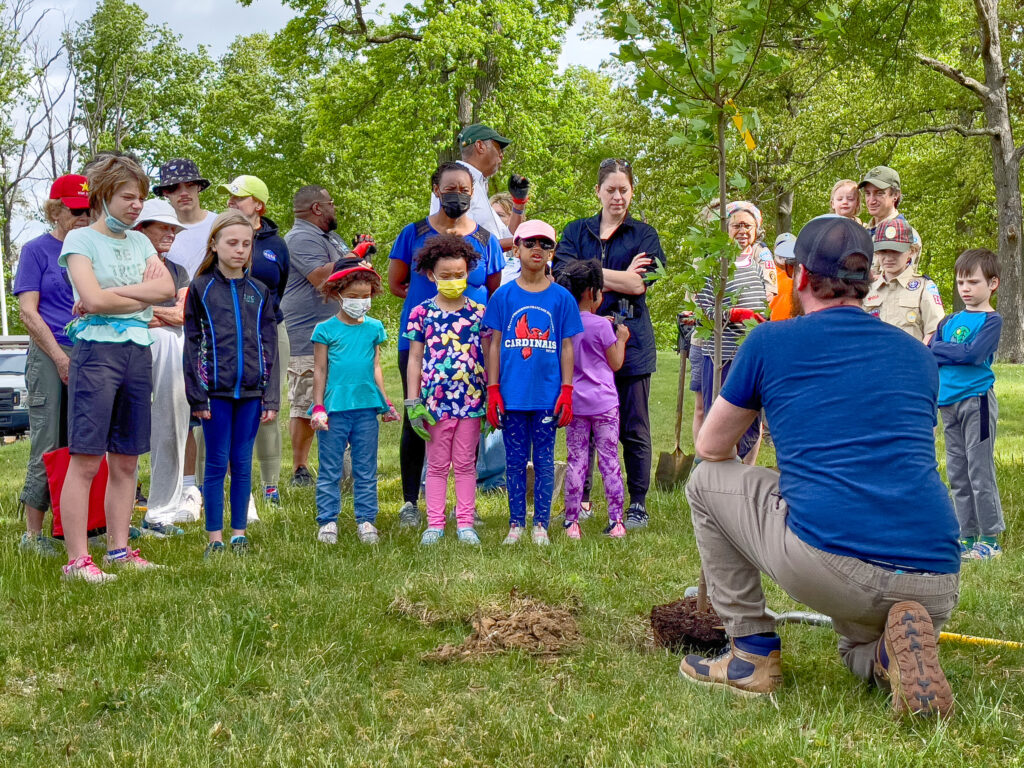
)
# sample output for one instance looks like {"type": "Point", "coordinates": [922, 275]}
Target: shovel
{"type": "Point", "coordinates": [675, 467]}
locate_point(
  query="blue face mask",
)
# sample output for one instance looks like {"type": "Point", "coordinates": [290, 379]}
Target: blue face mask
{"type": "Point", "coordinates": [116, 226]}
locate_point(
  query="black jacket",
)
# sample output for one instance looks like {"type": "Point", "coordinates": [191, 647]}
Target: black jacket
{"type": "Point", "coordinates": [271, 262]}
{"type": "Point", "coordinates": [230, 341]}
{"type": "Point", "coordinates": [581, 240]}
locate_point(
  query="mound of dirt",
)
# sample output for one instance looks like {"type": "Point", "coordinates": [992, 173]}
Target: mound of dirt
{"type": "Point", "coordinates": [679, 626]}
{"type": "Point", "coordinates": [529, 626]}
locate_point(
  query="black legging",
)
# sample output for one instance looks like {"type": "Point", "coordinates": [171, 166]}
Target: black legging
{"type": "Point", "coordinates": [412, 449]}
{"type": "Point", "coordinates": [635, 436]}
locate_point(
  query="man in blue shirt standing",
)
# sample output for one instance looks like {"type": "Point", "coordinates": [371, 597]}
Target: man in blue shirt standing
{"type": "Point", "coordinates": [857, 524]}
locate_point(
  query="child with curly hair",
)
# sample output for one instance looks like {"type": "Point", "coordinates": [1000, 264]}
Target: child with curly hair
{"type": "Point", "coordinates": [348, 394]}
{"type": "Point", "coordinates": [446, 382]}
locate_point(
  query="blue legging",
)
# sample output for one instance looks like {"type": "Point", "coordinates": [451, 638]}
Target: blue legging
{"type": "Point", "coordinates": [525, 430]}
{"type": "Point", "coordinates": [229, 433]}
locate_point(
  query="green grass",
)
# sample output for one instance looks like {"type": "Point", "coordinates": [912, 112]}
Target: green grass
{"type": "Point", "coordinates": [292, 656]}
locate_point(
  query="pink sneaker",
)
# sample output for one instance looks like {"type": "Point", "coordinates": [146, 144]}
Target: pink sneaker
{"type": "Point", "coordinates": [85, 569]}
{"type": "Point", "coordinates": [132, 561]}
{"type": "Point", "coordinates": [616, 530]}
{"type": "Point", "coordinates": [574, 532]}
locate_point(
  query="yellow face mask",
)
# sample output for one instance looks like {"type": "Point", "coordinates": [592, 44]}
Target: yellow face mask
{"type": "Point", "coordinates": [451, 289]}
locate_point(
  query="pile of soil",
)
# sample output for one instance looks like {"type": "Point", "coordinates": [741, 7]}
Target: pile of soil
{"type": "Point", "coordinates": [679, 626]}
{"type": "Point", "coordinates": [529, 626]}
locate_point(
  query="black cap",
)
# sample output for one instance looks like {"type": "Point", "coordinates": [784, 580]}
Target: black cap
{"type": "Point", "coordinates": [826, 241]}
{"type": "Point", "coordinates": [178, 171]}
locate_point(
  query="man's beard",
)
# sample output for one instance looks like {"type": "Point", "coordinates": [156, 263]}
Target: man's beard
{"type": "Point", "coordinates": [798, 306]}
{"type": "Point", "coordinates": [332, 224]}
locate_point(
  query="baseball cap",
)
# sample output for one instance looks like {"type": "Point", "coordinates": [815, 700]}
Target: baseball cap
{"type": "Point", "coordinates": [480, 132]}
{"type": "Point", "coordinates": [346, 265]}
{"type": "Point", "coordinates": [894, 235]}
{"type": "Point", "coordinates": [535, 228]}
{"type": "Point", "coordinates": [784, 247]}
{"type": "Point", "coordinates": [72, 190]}
{"type": "Point", "coordinates": [158, 209]}
{"type": "Point", "coordinates": [881, 176]}
{"type": "Point", "coordinates": [824, 243]}
{"type": "Point", "coordinates": [247, 186]}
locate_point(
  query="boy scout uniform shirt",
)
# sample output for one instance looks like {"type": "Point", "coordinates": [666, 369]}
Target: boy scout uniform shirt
{"type": "Point", "coordinates": [908, 301]}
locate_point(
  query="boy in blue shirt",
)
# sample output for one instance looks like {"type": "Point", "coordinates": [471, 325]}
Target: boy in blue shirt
{"type": "Point", "coordinates": [964, 345]}
{"type": "Point", "coordinates": [529, 374]}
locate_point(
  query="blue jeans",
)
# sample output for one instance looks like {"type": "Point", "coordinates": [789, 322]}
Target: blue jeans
{"type": "Point", "coordinates": [527, 433]}
{"type": "Point", "coordinates": [358, 429]}
{"type": "Point", "coordinates": [229, 434]}
{"type": "Point", "coordinates": [490, 465]}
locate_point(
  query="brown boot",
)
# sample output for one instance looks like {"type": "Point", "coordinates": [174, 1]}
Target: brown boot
{"type": "Point", "coordinates": [908, 658]}
{"type": "Point", "coordinates": [743, 672]}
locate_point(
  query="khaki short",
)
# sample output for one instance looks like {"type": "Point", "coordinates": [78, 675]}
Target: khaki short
{"type": "Point", "coordinates": [300, 385]}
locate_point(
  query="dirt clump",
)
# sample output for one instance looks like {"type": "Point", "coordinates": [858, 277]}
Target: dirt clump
{"type": "Point", "coordinates": [680, 626]}
{"type": "Point", "coordinates": [528, 625]}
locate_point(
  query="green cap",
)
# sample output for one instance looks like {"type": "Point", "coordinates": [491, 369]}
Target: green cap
{"type": "Point", "coordinates": [881, 176]}
{"type": "Point", "coordinates": [247, 186]}
{"type": "Point", "coordinates": [480, 132]}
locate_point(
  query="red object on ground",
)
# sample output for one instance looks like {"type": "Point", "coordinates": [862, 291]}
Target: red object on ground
{"type": "Point", "coordinates": [56, 463]}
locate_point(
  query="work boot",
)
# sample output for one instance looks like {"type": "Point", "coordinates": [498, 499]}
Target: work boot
{"type": "Point", "coordinates": [749, 666]}
{"type": "Point", "coordinates": [907, 658]}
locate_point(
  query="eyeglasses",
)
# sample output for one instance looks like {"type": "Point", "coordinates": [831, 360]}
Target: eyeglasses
{"type": "Point", "coordinates": [77, 211]}
{"type": "Point", "coordinates": [326, 202]}
{"type": "Point", "coordinates": [609, 162]}
{"type": "Point", "coordinates": [543, 243]}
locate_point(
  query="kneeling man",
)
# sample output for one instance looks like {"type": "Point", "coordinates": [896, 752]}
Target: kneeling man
{"type": "Point", "coordinates": [857, 523]}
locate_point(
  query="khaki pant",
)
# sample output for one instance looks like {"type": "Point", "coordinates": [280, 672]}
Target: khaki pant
{"type": "Point", "coordinates": [47, 420]}
{"type": "Point", "coordinates": [739, 519]}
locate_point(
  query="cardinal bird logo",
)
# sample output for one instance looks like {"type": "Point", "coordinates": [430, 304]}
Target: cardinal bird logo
{"type": "Point", "coordinates": [525, 332]}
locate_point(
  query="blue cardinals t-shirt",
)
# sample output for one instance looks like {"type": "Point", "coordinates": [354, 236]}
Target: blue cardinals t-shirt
{"type": "Point", "coordinates": [852, 404]}
{"type": "Point", "coordinates": [532, 327]}
{"type": "Point", "coordinates": [412, 238]}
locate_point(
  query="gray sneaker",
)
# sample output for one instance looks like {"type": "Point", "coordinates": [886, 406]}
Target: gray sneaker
{"type": "Point", "coordinates": [39, 544]}
{"type": "Point", "coordinates": [328, 533]}
{"type": "Point", "coordinates": [367, 533]}
{"type": "Point", "coordinates": [636, 517]}
{"type": "Point", "coordinates": [409, 516]}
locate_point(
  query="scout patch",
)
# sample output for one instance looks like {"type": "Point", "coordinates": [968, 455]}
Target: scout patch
{"type": "Point", "coordinates": [913, 285]}
{"type": "Point", "coordinates": [890, 232]}
{"type": "Point", "coordinates": [912, 316]}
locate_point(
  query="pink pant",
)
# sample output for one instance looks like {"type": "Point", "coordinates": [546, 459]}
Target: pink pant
{"type": "Point", "coordinates": [452, 445]}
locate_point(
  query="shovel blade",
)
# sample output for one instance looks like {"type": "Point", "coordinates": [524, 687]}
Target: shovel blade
{"type": "Point", "coordinates": [673, 468]}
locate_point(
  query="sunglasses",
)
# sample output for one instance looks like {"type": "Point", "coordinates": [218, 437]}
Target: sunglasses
{"type": "Point", "coordinates": [77, 211]}
{"type": "Point", "coordinates": [543, 243]}
{"type": "Point", "coordinates": [609, 162]}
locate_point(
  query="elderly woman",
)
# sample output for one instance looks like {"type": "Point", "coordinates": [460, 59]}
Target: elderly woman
{"type": "Point", "coordinates": [45, 300]}
{"type": "Point", "coordinates": [170, 411]}
{"type": "Point", "coordinates": [629, 252]}
{"type": "Point", "coordinates": [746, 298]}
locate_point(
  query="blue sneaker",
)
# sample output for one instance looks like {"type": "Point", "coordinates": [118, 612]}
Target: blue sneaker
{"type": "Point", "coordinates": [749, 666]}
{"type": "Point", "coordinates": [983, 551]}
{"type": "Point", "coordinates": [271, 495]}
{"type": "Point", "coordinates": [214, 548]}
{"type": "Point", "coordinates": [161, 530]}
{"type": "Point", "coordinates": [431, 536]}
{"type": "Point", "coordinates": [468, 535]}
{"type": "Point", "coordinates": [239, 545]}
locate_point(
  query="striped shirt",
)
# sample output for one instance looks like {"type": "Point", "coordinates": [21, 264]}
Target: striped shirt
{"type": "Point", "coordinates": [746, 290]}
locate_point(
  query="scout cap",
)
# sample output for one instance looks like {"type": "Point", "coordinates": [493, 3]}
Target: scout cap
{"type": "Point", "coordinates": [894, 235]}
{"type": "Point", "coordinates": [824, 243]}
{"type": "Point", "coordinates": [72, 190]}
{"type": "Point", "coordinates": [535, 228]}
{"type": "Point", "coordinates": [480, 132]}
{"type": "Point", "coordinates": [881, 176]}
{"type": "Point", "coordinates": [247, 186]}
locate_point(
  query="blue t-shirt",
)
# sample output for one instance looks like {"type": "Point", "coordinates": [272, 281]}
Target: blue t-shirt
{"type": "Point", "coordinates": [532, 327]}
{"type": "Point", "coordinates": [852, 404]}
{"type": "Point", "coordinates": [964, 345]}
{"type": "Point", "coordinates": [412, 238]}
{"type": "Point", "coordinates": [351, 350]}
{"type": "Point", "coordinates": [39, 271]}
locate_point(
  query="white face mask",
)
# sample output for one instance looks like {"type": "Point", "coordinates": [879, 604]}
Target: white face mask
{"type": "Point", "coordinates": [355, 308]}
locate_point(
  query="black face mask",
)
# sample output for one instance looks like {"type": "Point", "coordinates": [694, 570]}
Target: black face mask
{"type": "Point", "coordinates": [454, 204]}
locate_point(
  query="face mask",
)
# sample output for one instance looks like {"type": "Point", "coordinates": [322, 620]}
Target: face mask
{"type": "Point", "coordinates": [451, 289]}
{"type": "Point", "coordinates": [454, 204]}
{"type": "Point", "coordinates": [355, 308]}
{"type": "Point", "coordinates": [116, 226]}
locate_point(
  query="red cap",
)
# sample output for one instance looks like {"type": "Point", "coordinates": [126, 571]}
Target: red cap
{"type": "Point", "coordinates": [72, 190]}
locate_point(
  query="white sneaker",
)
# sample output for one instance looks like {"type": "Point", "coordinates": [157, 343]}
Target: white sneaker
{"type": "Point", "coordinates": [367, 533]}
{"type": "Point", "coordinates": [328, 533]}
{"type": "Point", "coordinates": [252, 516]}
{"type": "Point", "coordinates": [191, 506]}
{"type": "Point", "coordinates": [84, 569]}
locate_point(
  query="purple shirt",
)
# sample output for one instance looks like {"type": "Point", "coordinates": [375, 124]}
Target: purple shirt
{"type": "Point", "coordinates": [593, 380]}
{"type": "Point", "coordinates": [38, 271]}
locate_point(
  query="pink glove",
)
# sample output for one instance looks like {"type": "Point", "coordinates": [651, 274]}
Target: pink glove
{"type": "Point", "coordinates": [391, 415]}
{"type": "Point", "coordinates": [318, 421]}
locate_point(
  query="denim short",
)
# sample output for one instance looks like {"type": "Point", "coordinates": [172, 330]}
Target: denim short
{"type": "Point", "coordinates": [109, 392]}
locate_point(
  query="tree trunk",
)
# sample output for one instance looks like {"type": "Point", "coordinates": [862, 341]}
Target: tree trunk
{"type": "Point", "coordinates": [1006, 175]}
{"type": "Point", "coordinates": [784, 212]}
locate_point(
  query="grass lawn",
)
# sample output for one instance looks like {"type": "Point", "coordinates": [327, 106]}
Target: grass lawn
{"type": "Point", "coordinates": [293, 657]}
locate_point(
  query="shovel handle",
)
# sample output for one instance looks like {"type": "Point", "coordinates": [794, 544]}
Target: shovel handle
{"type": "Point", "coordinates": [679, 398]}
